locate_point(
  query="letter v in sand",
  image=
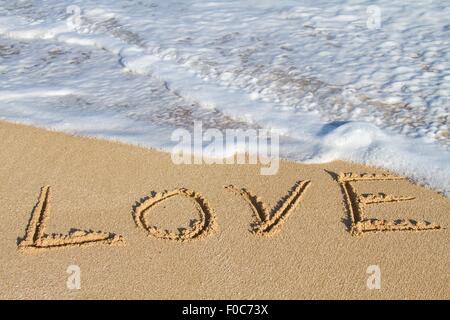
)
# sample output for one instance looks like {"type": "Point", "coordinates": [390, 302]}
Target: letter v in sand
{"type": "Point", "coordinates": [35, 238]}
{"type": "Point", "coordinates": [268, 223]}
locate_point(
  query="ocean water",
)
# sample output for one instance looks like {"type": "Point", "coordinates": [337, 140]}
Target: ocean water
{"type": "Point", "coordinates": [362, 81]}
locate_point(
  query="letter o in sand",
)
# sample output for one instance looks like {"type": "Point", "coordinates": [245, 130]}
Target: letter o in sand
{"type": "Point", "coordinates": [201, 228]}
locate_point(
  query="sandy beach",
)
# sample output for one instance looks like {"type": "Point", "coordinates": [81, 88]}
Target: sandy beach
{"type": "Point", "coordinates": [105, 202]}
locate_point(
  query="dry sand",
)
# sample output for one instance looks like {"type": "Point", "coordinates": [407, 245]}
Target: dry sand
{"type": "Point", "coordinates": [236, 248]}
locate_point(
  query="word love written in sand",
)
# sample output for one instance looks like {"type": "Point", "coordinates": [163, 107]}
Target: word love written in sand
{"type": "Point", "coordinates": [266, 222]}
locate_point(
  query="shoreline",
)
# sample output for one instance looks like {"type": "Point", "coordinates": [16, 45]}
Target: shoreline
{"type": "Point", "coordinates": [205, 160]}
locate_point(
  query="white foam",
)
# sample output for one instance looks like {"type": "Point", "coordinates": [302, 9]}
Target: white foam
{"type": "Point", "coordinates": [314, 73]}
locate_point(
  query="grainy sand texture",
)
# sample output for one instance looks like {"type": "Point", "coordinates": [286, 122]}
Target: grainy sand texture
{"type": "Point", "coordinates": [131, 224]}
